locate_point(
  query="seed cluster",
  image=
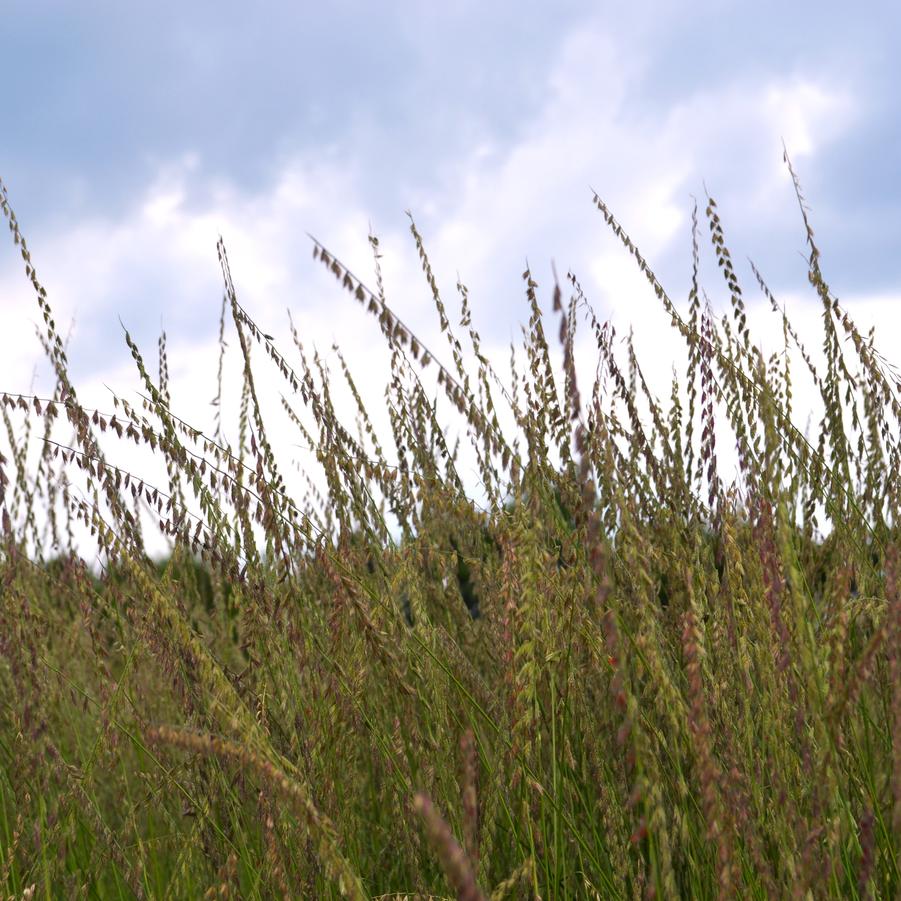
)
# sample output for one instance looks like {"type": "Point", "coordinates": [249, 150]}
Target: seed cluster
{"type": "Point", "coordinates": [626, 674]}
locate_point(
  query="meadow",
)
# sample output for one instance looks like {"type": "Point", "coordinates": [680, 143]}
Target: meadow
{"type": "Point", "coordinates": [627, 672]}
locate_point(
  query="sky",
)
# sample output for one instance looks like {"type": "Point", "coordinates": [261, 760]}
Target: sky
{"type": "Point", "coordinates": [133, 135]}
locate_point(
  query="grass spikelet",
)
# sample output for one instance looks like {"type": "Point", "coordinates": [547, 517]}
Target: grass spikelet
{"type": "Point", "coordinates": [457, 866]}
{"type": "Point", "coordinates": [319, 825]}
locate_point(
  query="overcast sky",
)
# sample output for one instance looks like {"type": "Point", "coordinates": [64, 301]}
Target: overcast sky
{"type": "Point", "coordinates": [134, 134]}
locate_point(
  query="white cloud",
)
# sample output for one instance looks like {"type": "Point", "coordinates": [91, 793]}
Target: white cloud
{"type": "Point", "coordinates": [503, 204]}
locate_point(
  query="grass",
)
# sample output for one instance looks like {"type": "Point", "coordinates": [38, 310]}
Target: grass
{"type": "Point", "coordinates": [627, 676]}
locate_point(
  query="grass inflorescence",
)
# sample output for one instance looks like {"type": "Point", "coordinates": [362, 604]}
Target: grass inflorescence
{"type": "Point", "coordinates": [626, 674]}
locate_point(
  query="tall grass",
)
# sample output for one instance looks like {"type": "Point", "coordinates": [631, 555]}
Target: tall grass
{"type": "Point", "coordinates": [630, 676]}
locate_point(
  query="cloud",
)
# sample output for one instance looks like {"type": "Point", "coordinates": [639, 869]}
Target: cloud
{"type": "Point", "coordinates": [522, 194]}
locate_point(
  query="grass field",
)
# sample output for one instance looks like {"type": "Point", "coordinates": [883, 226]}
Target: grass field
{"type": "Point", "coordinates": [627, 674]}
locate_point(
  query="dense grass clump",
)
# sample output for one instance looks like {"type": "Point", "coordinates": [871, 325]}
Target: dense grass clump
{"type": "Point", "coordinates": [627, 674]}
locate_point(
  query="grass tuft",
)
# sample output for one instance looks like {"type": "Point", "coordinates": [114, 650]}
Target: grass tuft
{"type": "Point", "coordinates": [633, 670]}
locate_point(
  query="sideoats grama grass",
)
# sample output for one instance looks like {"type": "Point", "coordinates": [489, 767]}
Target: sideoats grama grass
{"type": "Point", "coordinates": [626, 677]}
